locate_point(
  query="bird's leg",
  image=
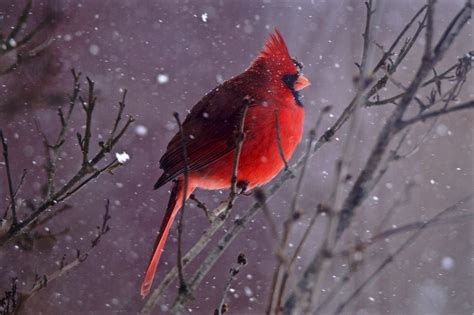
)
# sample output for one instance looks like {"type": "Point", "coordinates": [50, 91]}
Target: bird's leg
{"type": "Point", "coordinates": [242, 186]}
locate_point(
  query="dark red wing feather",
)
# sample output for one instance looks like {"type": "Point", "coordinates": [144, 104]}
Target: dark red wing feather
{"type": "Point", "coordinates": [208, 129]}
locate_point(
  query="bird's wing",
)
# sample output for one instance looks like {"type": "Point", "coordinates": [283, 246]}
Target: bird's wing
{"type": "Point", "coordinates": [209, 131]}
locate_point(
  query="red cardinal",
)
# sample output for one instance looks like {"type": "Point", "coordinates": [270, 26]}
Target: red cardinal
{"type": "Point", "coordinates": [272, 81]}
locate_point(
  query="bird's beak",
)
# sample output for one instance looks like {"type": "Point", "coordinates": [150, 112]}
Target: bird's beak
{"type": "Point", "coordinates": [301, 83]}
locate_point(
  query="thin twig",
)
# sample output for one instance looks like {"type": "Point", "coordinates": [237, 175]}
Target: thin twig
{"type": "Point", "coordinates": [42, 281]}
{"type": "Point", "coordinates": [83, 175]}
{"type": "Point", "coordinates": [182, 282]}
{"type": "Point", "coordinates": [359, 191]}
{"type": "Point", "coordinates": [19, 25]}
{"type": "Point", "coordinates": [278, 139]}
{"type": "Point", "coordinates": [436, 113]}
{"type": "Point", "coordinates": [239, 141]}
{"type": "Point", "coordinates": [9, 179]}
{"type": "Point", "coordinates": [18, 187]}
{"type": "Point", "coordinates": [233, 272]}
{"type": "Point", "coordinates": [390, 258]}
{"type": "Point", "coordinates": [261, 198]}
{"type": "Point", "coordinates": [277, 286]}
{"type": "Point", "coordinates": [88, 109]}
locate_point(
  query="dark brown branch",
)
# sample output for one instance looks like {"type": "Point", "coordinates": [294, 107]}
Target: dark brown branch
{"type": "Point", "coordinates": [22, 19]}
{"type": "Point", "coordinates": [94, 175]}
{"type": "Point", "coordinates": [17, 189]}
{"type": "Point", "coordinates": [89, 109]}
{"type": "Point", "coordinates": [182, 282]}
{"type": "Point", "coordinates": [87, 171]}
{"type": "Point", "coordinates": [41, 281]}
{"type": "Point", "coordinates": [9, 179]}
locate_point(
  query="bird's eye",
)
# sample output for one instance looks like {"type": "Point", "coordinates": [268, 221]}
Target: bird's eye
{"type": "Point", "coordinates": [298, 65]}
{"type": "Point", "coordinates": [290, 80]}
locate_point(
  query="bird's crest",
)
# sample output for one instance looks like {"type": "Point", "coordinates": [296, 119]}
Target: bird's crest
{"type": "Point", "coordinates": [275, 47]}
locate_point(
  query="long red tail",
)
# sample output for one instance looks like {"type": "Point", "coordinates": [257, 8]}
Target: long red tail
{"type": "Point", "coordinates": [174, 205]}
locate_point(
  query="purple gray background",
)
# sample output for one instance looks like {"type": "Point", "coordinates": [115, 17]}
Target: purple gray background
{"type": "Point", "coordinates": [136, 44]}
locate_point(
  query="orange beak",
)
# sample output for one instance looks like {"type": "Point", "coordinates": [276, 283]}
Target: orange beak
{"type": "Point", "coordinates": [301, 83]}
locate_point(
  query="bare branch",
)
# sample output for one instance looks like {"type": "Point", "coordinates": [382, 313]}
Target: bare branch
{"type": "Point", "coordinates": [436, 113]}
{"type": "Point", "coordinates": [429, 60]}
{"type": "Point", "coordinates": [9, 179]}
{"type": "Point", "coordinates": [87, 171]}
{"type": "Point", "coordinates": [233, 272]}
{"type": "Point", "coordinates": [239, 141]}
{"type": "Point", "coordinates": [22, 19]}
{"type": "Point", "coordinates": [390, 258]}
{"type": "Point", "coordinates": [182, 282]}
{"type": "Point", "coordinates": [41, 281]}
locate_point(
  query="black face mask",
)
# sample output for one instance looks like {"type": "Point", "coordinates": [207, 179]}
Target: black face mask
{"type": "Point", "coordinates": [290, 80]}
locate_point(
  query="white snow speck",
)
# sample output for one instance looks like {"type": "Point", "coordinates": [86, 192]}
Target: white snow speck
{"type": "Point", "coordinates": [432, 181]}
{"type": "Point", "coordinates": [204, 17]}
{"type": "Point", "coordinates": [141, 130]}
{"type": "Point", "coordinates": [12, 42]}
{"type": "Point", "coordinates": [371, 299]}
{"type": "Point", "coordinates": [248, 291]}
{"type": "Point", "coordinates": [122, 157]}
{"type": "Point", "coordinates": [170, 125]}
{"type": "Point", "coordinates": [442, 130]}
{"type": "Point", "coordinates": [447, 263]}
{"type": "Point", "coordinates": [162, 78]}
{"type": "Point", "coordinates": [67, 37]}
{"type": "Point", "coordinates": [336, 65]}
{"type": "Point", "coordinates": [94, 49]}
{"type": "Point", "coordinates": [375, 198]}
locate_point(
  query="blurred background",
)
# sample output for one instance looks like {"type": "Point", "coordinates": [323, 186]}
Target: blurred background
{"type": "Point", "coordinates": [168, 54]}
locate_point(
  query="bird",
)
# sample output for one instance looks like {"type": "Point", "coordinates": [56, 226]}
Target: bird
{"type": "Point", "coordinates": [273, 123]}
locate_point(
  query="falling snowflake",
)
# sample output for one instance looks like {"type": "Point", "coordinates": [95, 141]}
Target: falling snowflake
{"type": "Point", "coordinates": [141, 130]}
{"type": "Point", "coordinates": [122, 157]}
{"type": "Point", "coordinates": [447, 263]}
{"type": "Point", "coordinates": [94, 49]}
{"type": "Point", "coordinates": [162, 78]}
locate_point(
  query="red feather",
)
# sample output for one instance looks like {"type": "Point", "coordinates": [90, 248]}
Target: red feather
{"type": "Point", "coordinates": [275, 47]}
{"type": "Point", "coordinates": [210, 134]}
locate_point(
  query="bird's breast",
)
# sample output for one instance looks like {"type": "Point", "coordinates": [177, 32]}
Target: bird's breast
{"type": "Point", "coordinates": [260, 159]}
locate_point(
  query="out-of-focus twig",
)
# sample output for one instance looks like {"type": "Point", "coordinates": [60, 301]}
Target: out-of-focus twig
{"type": "Point", "coordinates": [233, 272]}
{"type": "Point", "coordinates": [64, 267]}
{"type": "Point", "coordinates": [391, 257]}
{"type": "Point", "coordinates": [89, 169]}
{"type": "Point", "coordinates": [182, 282]}
{"type": "Point", "coordinates": [9, 179]}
